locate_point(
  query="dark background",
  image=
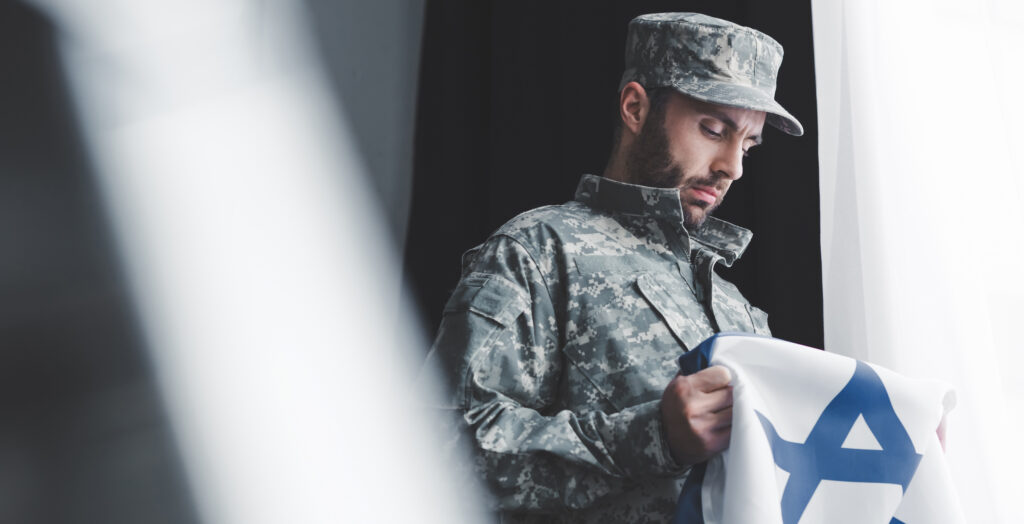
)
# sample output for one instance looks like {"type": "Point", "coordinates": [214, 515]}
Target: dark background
{"type": "Point", "coordinates": [517, 100]}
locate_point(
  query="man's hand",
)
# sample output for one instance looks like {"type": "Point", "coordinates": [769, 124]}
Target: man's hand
{"type": "Point", "coordinates": [697, 413]}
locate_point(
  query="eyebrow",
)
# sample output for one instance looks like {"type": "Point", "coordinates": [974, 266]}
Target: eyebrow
{"type": "Point", "coordinates": [714, 113]}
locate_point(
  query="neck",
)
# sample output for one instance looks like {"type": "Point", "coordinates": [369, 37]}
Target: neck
{"type": "Point", "coordinates": [616, 168]}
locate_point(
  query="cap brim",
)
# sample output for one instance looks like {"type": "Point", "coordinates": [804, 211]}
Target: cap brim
{"type": "Point", "coordinates": [745, 97]}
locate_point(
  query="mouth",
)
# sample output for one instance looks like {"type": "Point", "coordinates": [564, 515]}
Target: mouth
{"type": "Point", "coordinates": [705, 194]}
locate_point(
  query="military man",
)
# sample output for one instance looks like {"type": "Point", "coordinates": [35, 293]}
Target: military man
{"type": "Point", "coordinates": [561, 338]}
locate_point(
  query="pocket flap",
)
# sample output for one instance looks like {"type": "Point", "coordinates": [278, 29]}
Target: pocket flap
{"type": "Point", "coordinates": [687, 322]}
{"type": "Point", "coordinates": [759, 319]}
{"type": "Point", "coordinates": [610, 263]}
{"type": "Point", "coordinates": [491, 296]}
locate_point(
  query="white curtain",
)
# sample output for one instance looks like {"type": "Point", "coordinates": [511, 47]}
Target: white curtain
{"type": "Point", "coordinates": [921, 126]}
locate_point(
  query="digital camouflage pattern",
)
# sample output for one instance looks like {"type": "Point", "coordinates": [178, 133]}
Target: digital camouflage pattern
{"type": "Point", "coordinates": [709, 59]}
{"type": "Point", "coordinates": [561, 337]}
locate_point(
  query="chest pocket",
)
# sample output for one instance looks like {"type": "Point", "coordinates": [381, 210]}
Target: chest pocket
{"type": "Point", "coordinates": [683, 315]}
{"type": "Point", "coordinates": [733, 312]}
{"type": "Point", "coordinates": [626, 332]}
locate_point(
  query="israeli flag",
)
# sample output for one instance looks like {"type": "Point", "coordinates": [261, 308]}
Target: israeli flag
{"type": "Point", "coordinates": [820, 438]}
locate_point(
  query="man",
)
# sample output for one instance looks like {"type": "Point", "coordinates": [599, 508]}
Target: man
{"type": "Point", "coordinates": [561, 338]}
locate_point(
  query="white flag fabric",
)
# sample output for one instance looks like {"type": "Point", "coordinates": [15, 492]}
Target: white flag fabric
{"type": "Point", "coordinates": [820, 438]}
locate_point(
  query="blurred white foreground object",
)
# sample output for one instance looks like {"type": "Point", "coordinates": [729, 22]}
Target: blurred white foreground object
{"type": "Point", "coordinates": [259, 264]}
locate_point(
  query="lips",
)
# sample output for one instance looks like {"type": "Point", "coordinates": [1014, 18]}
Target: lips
{"type": "Point", "coordinates": [705, 193]}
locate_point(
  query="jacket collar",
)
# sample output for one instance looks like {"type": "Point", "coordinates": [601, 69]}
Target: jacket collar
{"type": "Point", "coordinates": [727, 240]}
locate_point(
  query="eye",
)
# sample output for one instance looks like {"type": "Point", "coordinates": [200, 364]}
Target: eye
{"type": "Point", "coordinates": [708, 131]}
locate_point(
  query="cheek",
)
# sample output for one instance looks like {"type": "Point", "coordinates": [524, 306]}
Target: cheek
{"type": "Point", "coordinates": [694, 160]}
{"type": "Point", "coordinates": [692, 150]}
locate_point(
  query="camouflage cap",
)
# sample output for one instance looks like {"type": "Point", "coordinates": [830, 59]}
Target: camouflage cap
{"type": "Point", "coordinates": [710, 59]}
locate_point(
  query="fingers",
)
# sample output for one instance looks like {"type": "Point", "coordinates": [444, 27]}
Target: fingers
{"type": "Point", "coordinates": [704, 393]}
{"type": "Point", "coordinates": [697, 413]}
{"type": "Point", "coordinates": [722, 420]}
{"type": "Point", "coordinates": [718, 441]}
{"type": "Point", "coordinates": [712, 431]}
{"type": "Point", "coordinates": [719, 401]}
{"type": "Point", "coordinates": [711, 379]}
{"type": "Point", "coordinates": [697, 439]}
{"type": "Point", "coordinates": [711, 422]}
{"type": "Point", "coordinates": [712, 402]}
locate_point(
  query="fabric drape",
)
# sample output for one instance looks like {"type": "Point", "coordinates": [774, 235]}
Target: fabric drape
{"type": "Point", "coordinates": [921, 214]}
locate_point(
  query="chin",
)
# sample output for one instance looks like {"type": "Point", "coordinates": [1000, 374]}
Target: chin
{"type": "Point", "coordinates": [694, 214]}
{"type": "Point", "coordinates": [694, 219]}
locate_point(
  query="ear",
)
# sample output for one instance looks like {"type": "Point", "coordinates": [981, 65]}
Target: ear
{"type": "Point", "coordinates": [633, 107]}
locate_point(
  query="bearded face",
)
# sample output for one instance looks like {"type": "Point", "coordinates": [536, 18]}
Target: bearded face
{"type": "Point", "coordinates": [693, 146]}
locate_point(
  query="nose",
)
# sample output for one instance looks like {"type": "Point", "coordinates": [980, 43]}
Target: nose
{"type": "Point", "coordinates": [729, 162]}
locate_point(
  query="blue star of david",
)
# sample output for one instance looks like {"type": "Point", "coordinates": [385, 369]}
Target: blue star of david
{"type": "Point", "coordinates": [822, 457]}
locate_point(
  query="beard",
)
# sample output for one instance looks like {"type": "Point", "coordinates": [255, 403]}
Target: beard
{"type": "Point", "coordinates": [649, 163]}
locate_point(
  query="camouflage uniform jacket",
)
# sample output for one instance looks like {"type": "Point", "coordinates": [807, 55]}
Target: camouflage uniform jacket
{"type": "Point", "coordinates": [561, 337]}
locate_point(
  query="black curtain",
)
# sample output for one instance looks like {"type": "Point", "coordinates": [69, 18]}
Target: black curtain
{"type": "Point", "coordinates": [517, 100]}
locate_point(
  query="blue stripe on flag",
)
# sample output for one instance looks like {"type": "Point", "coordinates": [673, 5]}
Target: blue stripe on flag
{"type": "Point", "coordinates": [689, 509]}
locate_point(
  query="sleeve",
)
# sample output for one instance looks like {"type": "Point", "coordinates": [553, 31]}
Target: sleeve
{"type": "Point", "coordinates": [498, 342]}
